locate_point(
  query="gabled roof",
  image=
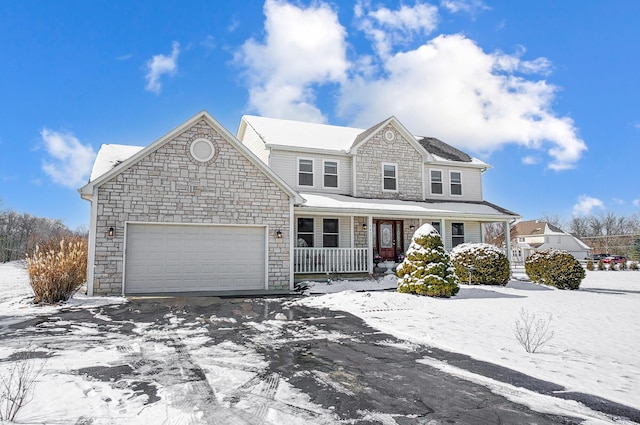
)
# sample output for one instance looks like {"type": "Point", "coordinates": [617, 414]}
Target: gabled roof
{"type": "Point", "coordinates": [299, 134]}
{"type": "Point", "coordinates": [534, 228]}
{"type": "Point", "coordinates": [306, 136]}
{"type": "Point", "coordinates": [113, 161]}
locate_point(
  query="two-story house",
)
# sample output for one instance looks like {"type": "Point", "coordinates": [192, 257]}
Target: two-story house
{"type": "Point", "coordinates": [533, 235]}
{"type": "Point", "coordinates": [201, 210]}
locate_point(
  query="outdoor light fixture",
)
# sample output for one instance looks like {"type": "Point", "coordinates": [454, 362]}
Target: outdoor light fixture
{"type": "Point", "coordinates": [364, 226]}
{"type": "Point", "coordinates": [412, 227]}
{"type": "Point", "coordinates": [111, 232]}
{"type": "Point", "coordinates": [279, 234]}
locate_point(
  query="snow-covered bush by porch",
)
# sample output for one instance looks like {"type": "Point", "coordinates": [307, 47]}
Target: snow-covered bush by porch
{"type": "Point", "coordinates": [480, 264]}
{"type": "Point", "coordinates": [427, 268]}
{"type": "Point", "coordinates": [554, 267]}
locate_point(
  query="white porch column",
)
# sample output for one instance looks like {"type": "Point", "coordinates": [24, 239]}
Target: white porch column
{"type": "Point", "coordinates": [370, 242]}
{"type": "Point", "coordinates": [507, 239]}
{"type": "Point", "coordinates": [443, 233]}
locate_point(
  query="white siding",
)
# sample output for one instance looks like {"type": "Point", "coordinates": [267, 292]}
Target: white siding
{"type": "Point", "coordinates": [285, 164]}
{"type": "Point", "coordinates": [344, 225]}
{"type": "Point", "coordinates": [255, 145]}
{"type": "Point", "coordinates": [471, 183]}
{"type": "Point", "coordinates": [472, 232]}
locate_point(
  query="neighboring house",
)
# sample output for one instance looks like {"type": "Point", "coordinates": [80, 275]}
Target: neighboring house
{"type": "Point", "coordinates": [202, 211]}
{"type": "Point", "coordinates": [534, 235]}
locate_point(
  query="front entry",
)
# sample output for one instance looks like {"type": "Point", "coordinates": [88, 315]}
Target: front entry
{"type": "Point", "coordinates": [388, 239]}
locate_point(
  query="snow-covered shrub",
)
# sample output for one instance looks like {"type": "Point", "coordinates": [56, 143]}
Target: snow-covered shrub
{"type": "Point", "coordinates": [601, 265]}
{"type": "Point", "coordinates": [554, 267]}
{"type": "Point", "coordinates": [633, 265]}
{"type": "Point", "coordinates": [57, 271]}
{"type": "Point", "coordinates": [590, 265]}
{"type": "Point", "coordinates": [427, 268]}
{"type": "Point", "coordinates": [480, 264]}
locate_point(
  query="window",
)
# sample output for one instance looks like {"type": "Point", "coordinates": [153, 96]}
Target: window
{"type": "Point", "coordinates": [305, 232]}
{"type": "Point", "coordinates": [305, 172]}
{"type": "Point", "coordinates": [436, 182]}
{"type": "Point", "coordinates": [456, 183]}
{"type": "Point", "coordinates": [389, 177]}
{"type": "Point", "coordinates": [330, 174]}
{"type": "Point", "coordinates": [330, 232]}
{"type": "Point", "coordinates": [457, 234]}
{"type": "Point", "coordinates": [436, 225]}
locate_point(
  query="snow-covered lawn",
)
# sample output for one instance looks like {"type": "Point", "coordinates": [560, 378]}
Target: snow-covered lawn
{"type": "Point", "coordinates": [595, 349]}
{"type": "Point", "coordinates": [596, 343]}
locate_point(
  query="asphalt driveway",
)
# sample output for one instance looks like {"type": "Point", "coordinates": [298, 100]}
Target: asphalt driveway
{"type": "Point", "coordinates": [266, 361]}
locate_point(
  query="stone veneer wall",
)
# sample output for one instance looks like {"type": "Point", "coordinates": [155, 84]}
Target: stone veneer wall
{"type": "Point", "coordinates": [378, 150]}
{"type": "Point", "coordinates": [360, 234]}
{"type": "Point", "coordinates": [168, 186]}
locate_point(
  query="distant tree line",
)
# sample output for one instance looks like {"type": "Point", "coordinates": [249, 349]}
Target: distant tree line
{"type": "Point", "coordinates": [19, 233]}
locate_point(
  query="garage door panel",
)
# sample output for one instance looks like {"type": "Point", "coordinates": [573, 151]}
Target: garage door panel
{"type": "Point", "coordinates": [183, 258]}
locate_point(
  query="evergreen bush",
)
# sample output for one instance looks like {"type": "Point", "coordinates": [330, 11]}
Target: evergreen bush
{"type": "Point", "coordinates": [554, 267]}
{"type": "Point", "coordinates": [601, 265]}
{"type": "Point", "coordinates": [590, 265]}
{"type": "Point", "coordinates": [480, 264]}
{"type": "Point", "coordinates": [57, 269]}
{"type": "Point", "coordinates": [633, 265]}
{"type": "Point", "coordinates": [427, 268]}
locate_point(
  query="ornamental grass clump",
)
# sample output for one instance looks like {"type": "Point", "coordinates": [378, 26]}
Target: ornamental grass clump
{"type": "Point", "coordinates": [427, 268]}
{"type": "Point", "coordinates": [57, 269]}
{"type": "Point", "coordinates": [480, 264]}
{"type": "Point", "coordinates": [554, 267]}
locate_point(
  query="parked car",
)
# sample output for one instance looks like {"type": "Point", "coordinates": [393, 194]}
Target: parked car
{"type": "Point", "coordinates": [615, 258]}
{"type": "Point", "coordinates": [598, 257]}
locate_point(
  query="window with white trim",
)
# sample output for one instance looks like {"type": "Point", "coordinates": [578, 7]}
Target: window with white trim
{"type": "Point", "coordinates": [330, 232]}
{"type": "Point", "coordinates": [436, 225]}
{"type": "Point", "coordinates": [456, 182]}
{"type": "Point", "coordinates": [305, 232]}
{"type": "Point", "coordinates": [390, 177]}
{"type": "Point", "coordinates": [305, 172]}
{"type": "Point", "coordinates": [330, 174]}
{"type": "Point", "coordinates": [436, 182]}
{"type": "Point", "coordinates": [457, 234]}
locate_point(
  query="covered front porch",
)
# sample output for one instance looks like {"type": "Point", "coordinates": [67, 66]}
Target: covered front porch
{"type": "Point", "coordinates": [351, 240]}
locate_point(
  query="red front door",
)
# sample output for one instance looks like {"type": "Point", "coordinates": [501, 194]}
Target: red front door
{"type": "Point", "coordinates": [389, 239]}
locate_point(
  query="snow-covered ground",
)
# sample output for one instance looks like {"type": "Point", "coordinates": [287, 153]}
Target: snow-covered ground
{"type": "Point", "coordinates": [595, 348]}
{"type": "Point", "coordinates": [596, 343]}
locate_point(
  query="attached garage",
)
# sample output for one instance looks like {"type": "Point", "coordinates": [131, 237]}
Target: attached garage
{"type": "Point", "coordinates": [175, 258]}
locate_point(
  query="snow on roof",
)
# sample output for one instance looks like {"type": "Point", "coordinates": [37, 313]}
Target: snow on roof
{"type": "Point", "coordinates": [378, 206]}
{"type": "Point", "coordinates": [303, 134]}
{"type": "Point", "coordinates": [110, 156]}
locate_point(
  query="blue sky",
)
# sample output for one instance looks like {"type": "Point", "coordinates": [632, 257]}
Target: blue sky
{"type": "Point", "coordinates": [545, 91]}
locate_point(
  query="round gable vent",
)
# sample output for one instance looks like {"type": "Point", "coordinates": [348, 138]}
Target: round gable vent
{"type": "Point", "coordinates": [202, 150]}
{"type": "Point", "coordinates": [389, 135]}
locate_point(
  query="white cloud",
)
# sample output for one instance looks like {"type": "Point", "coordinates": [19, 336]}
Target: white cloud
{"type": "Point", "coordinates": [304, 47]}
{"type": "Point", "coordinates": [69, 163]}
{"type": "Point", "coordinates": [636, 202]}
{"type": "Point", "coordinates": [586, 204]}
{"type": "Point", "coordinates": [160, 65]}
{"type": "Point", "coordinates": [451, 89]}
{"type": "Point", "coordinates": [446, 87]}
{"type": "Point", "coordinates": [469, 6]}
{"type": "Point", "coordinates": [529, 160]}
{"type": "Point", "coordinates": [389, 28]}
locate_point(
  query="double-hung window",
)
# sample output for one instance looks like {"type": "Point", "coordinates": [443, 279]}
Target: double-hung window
{"type": "Point", "coordinates": [436, 182]}
{"type": "Point", "coordinates": [305, 232]}
{"type": "Point", "coordinates": [456, 182]}
{"type": "Point", "coordinates": [457, 234]}
{"type": "Point", "coordinates": [330, 232]}
{"type": "Point", "coordinates": [390, 177]}
{"type": "Point", "coordinates": [305, 172]}
{"type": "Point", "coordinates": [436, 225]}
{"type": "Point", "coordinates": [330, 174]}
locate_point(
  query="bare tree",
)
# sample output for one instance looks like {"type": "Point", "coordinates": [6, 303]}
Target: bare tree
{"type": "Point", "coordinates": [579, 227]}
{"type": "Point", "coordinates": [553, 219]}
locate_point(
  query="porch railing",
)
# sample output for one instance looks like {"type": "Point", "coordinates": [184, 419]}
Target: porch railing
{"type": "Point", "coordinates": [330, 260]}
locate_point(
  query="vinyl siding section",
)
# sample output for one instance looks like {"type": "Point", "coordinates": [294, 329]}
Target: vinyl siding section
{"type": "Point", "coordinates": [285, 164]}
{"type": "Point", "coordinates": [472, 232]}
{"type": "Point", "coordinates": [344, 226]}
{"type": "Point", "coordinates": [471, 183]}
{"type": "Point", "coordinates": [252, 141]}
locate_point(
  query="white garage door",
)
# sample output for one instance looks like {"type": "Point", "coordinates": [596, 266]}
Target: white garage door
{"type": "Point", "coordinates": [183, 258]}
